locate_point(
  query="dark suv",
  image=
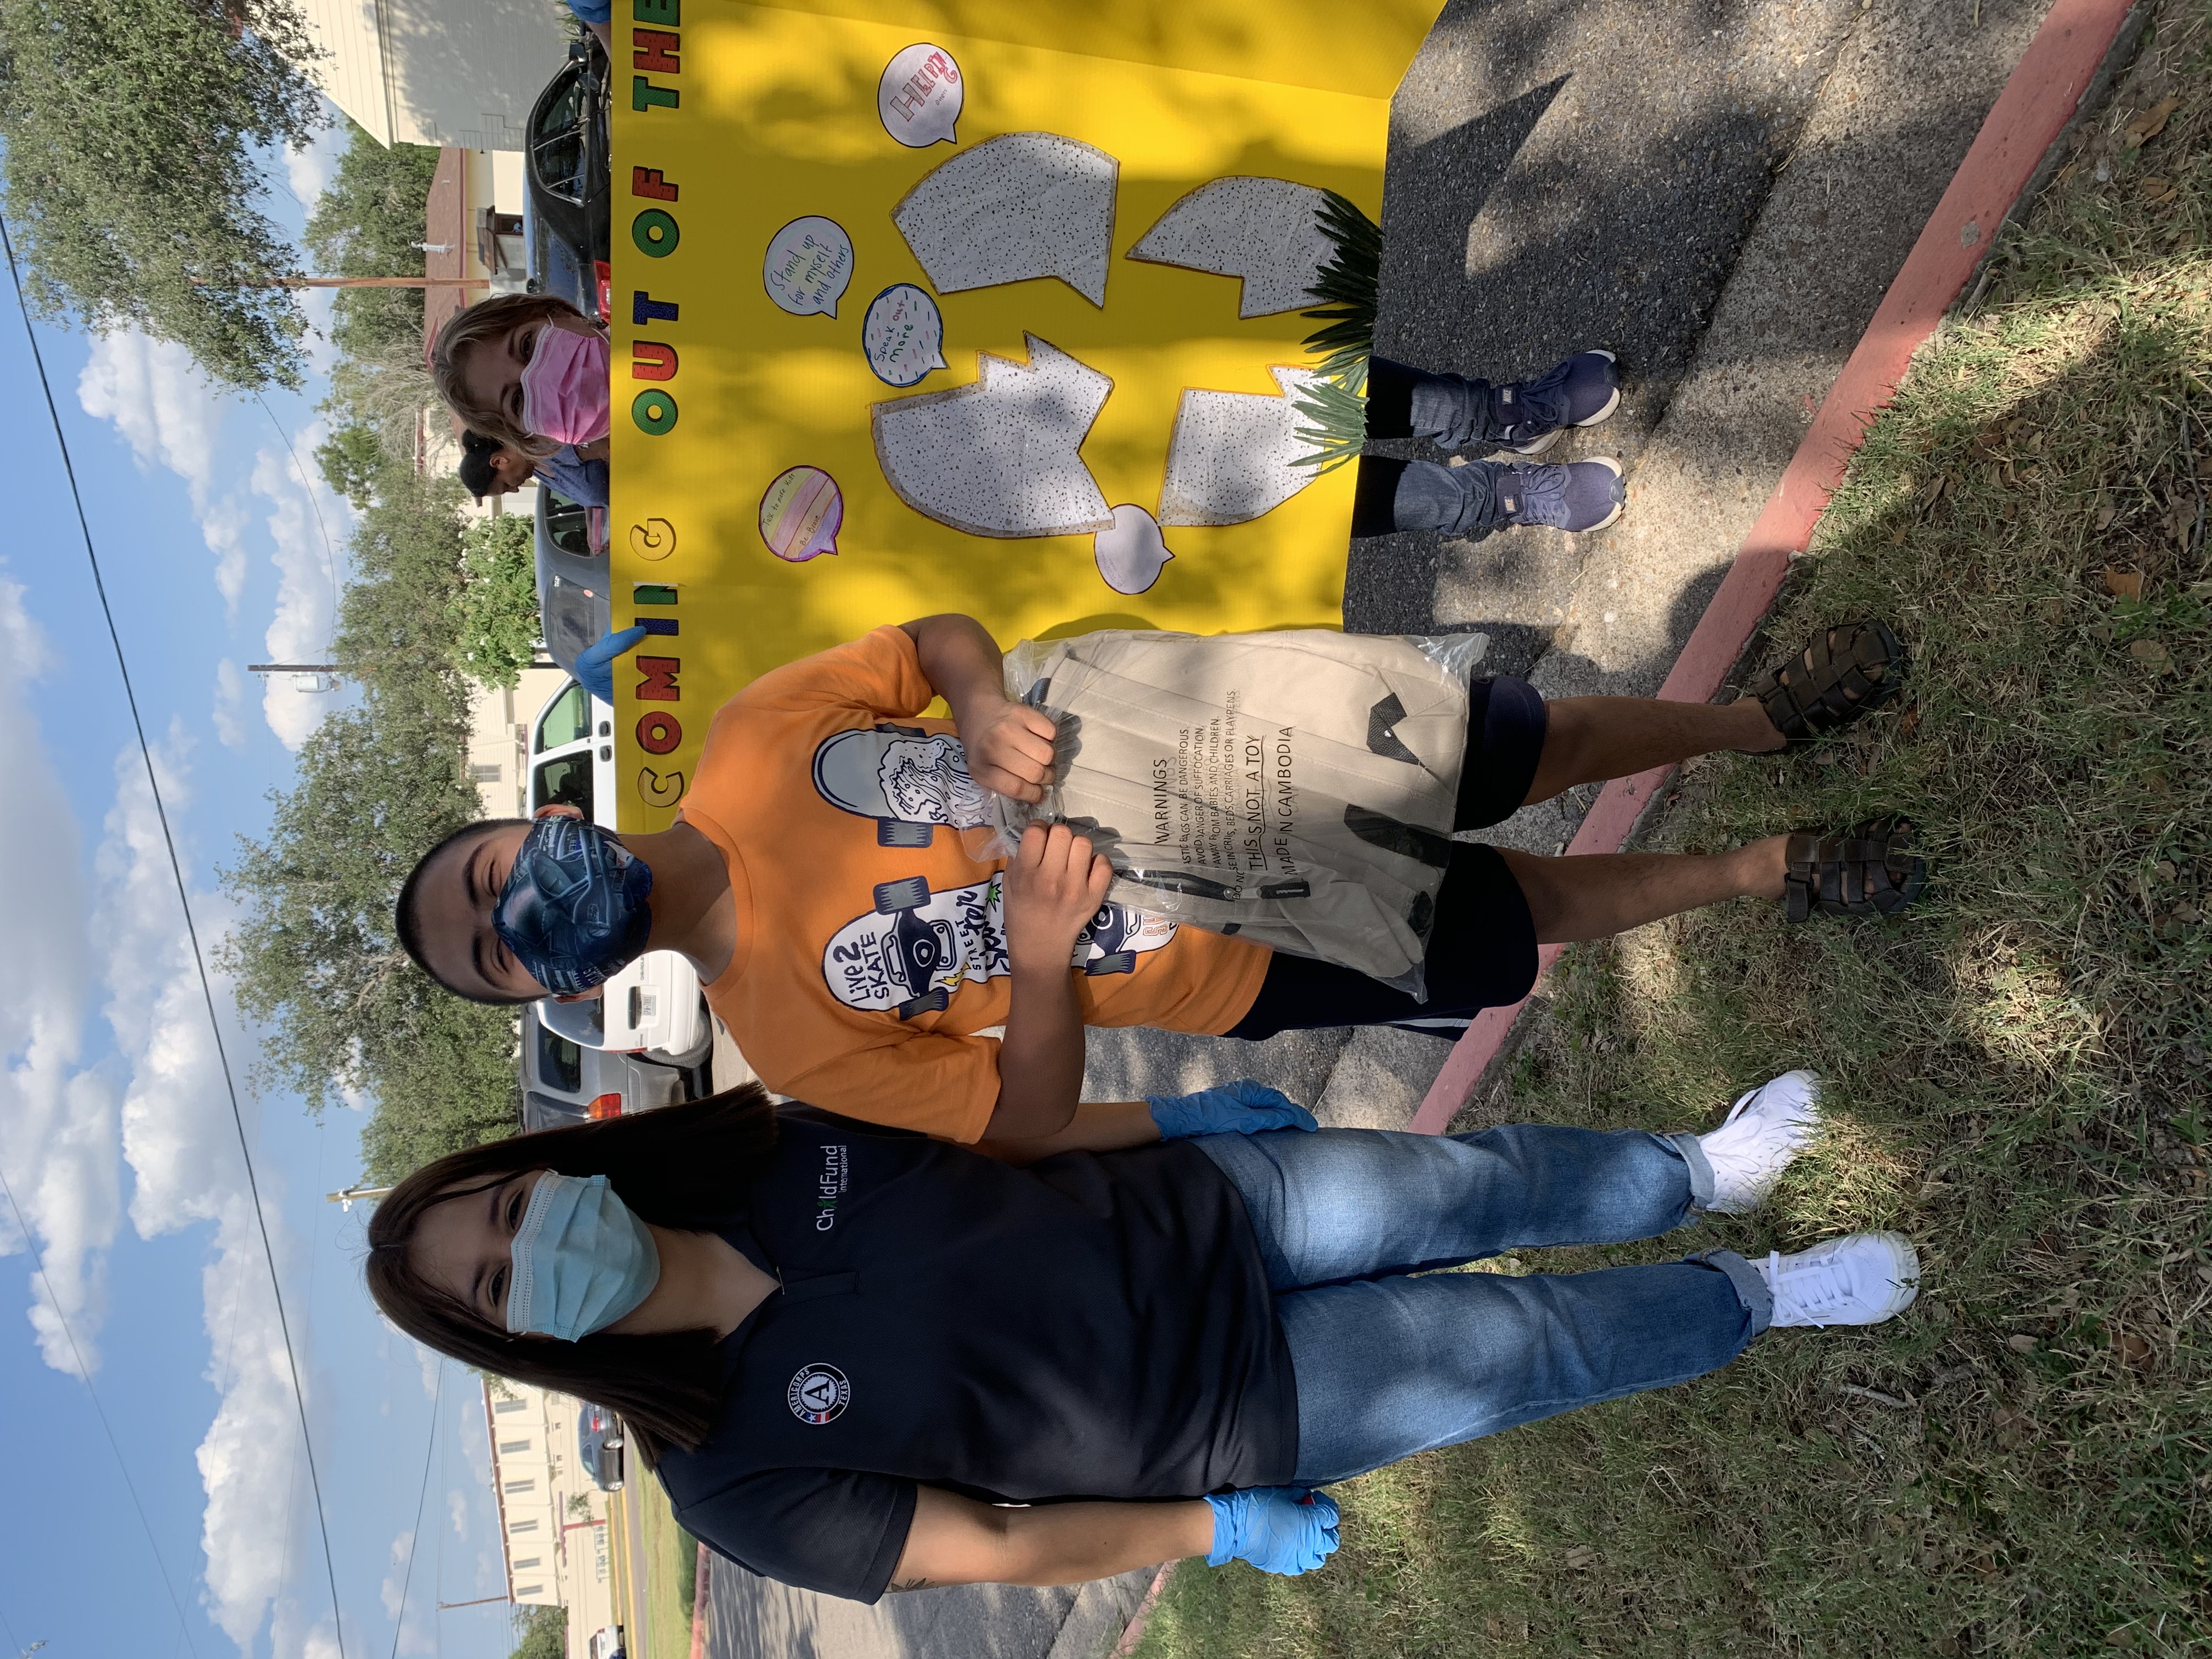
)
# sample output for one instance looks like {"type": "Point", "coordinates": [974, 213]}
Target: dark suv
{"type": "Point", "coordinates": [567, 175]}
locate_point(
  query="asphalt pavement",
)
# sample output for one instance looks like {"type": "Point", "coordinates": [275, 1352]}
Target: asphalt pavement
{"type": "Point", "coordinates": [754, 1618]}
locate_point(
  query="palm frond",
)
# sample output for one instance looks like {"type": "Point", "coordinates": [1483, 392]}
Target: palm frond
{"type": "Point", "coordinates": [1335, 403]}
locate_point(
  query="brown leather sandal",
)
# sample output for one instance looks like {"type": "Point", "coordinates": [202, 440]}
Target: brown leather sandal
{"type": "Point", "coordinates": [1868, 871]}
{"type": "Point", "coordinates": [1845, 674]}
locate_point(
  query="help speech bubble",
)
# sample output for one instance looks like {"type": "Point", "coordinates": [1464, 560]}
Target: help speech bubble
{"type": "Point", "coordinates": [904, 335]}
{"type": "Point", "coordinates": [800, 514]}
{"type": "Point", "coordinates": [919, 96]}
{"type": "Point", "coordinates": [809, 265]}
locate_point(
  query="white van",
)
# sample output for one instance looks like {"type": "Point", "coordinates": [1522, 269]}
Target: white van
{"type": "Point", "coordinates": [655, 1004]}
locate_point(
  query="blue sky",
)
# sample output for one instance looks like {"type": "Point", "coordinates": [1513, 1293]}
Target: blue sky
{"type": "Point", "coordinates": [116, 1136]}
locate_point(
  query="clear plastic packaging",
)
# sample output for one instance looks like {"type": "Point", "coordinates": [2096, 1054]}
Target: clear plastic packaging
{"type": "Point", "coordinates": [1296, 788]}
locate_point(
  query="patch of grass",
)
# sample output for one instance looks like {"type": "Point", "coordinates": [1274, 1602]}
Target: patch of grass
{"type": "Point", "coordinates": [671, 1557]}
{"type": "Point", "coordinates": [2017, 1073]}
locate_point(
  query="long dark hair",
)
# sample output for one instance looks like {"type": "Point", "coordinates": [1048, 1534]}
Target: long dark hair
{"type": "Point", "coordinates": [673, 1167]}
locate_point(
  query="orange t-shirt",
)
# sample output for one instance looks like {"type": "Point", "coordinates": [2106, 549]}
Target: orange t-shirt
{"type": "Point", "coordinates": [871, 949]}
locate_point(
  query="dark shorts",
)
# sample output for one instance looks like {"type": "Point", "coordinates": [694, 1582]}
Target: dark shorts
{"type": "Point", "coordinates": [1505, 724]}
{"type": "Point", "coordinates": [1482, 948]}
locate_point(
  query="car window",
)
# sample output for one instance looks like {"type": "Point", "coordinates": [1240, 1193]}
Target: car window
{"type": "Point", "coordinates": [560, 1062]}
{"type": "Point", "coordinates": [556, 143]}
{"type": "Point", "coordinates": [563, 783]}
{"type": "Point", "coordinates": [567, 719]}
{"type": "Point", "coordinates": [543, 1111]}
{"type": "Point", "coordinates": [568, 526]}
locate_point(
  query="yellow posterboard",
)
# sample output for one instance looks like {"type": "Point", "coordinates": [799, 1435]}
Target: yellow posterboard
{"type": "Point", "coordinates": [828, 417]}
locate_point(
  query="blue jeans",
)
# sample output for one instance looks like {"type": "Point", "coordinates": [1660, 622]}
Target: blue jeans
{"type": "Point", "coordinates": [1389, 1364]}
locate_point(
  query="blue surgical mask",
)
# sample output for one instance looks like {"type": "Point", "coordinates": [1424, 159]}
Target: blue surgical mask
{"type": "Point", "coordinates": [573, 909]}
{"type": "Point", "coordinates": [581, 1260]}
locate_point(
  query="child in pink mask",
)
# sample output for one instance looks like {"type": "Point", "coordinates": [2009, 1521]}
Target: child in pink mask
{"type": "Point", "coordinates": [529, 370]}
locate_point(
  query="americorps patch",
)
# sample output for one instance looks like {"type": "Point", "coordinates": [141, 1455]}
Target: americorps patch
{"type": "Point", "coordinates": [818, 1393]}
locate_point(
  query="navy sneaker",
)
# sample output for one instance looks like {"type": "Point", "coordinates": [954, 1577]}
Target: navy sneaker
{"type": "Point", "coordinates": [1577, 496]}
{"type": "Point", "coordinates": [1529, 415]}
{"type": "Point", "coordinates": [1475, 498]}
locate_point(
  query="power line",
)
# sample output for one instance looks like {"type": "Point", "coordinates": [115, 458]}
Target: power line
{"type": "Point", "coordinates": [192, 933]}
{"type": "Point", "coordinates": [306, 484]}
{"type": "Point", "coordinates": [84, 1375]}
{"type": "Point", "coordinates": [414, 1538]}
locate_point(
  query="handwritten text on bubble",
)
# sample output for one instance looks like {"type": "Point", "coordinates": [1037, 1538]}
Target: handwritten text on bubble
{"type": "Point", "coordinates": [904, 335]}
{"type": "Point", "coordinates": [801, 514]}
{"type": "Point", "coordinates": [919, 96]}
{"type": "Point", "coordinates": [809, 265]}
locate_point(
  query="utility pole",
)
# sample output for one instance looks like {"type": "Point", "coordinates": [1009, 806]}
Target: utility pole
{"type": "Point", "coordinates": [350, 281]}
{"type": "Point", "coordinates": [347, 1198]}
{"type": "Point", "coordinates": [541, 659]}
{"type": "Point", "coordinates": [482, 1601]}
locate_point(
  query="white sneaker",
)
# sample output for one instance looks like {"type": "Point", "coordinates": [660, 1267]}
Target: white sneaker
{"type": "Point", "coordinates": [1763, 1131]}
{"type": "Point", "coordinates": [1861, 1278]}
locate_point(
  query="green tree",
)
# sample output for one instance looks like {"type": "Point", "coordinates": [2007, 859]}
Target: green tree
{"type": "Point", "coordinates": [130, 131]}
{"type": "Point", "coordinates": [499, 626]}
{"type": "Point", "coordinates": [314, 956]}
{"type": "Point", "coordinates": [351, 460]}
{"type": "Point", "coordinates": [541, 1633]}
{"type": "Point", "coordinates": [386, 393]}
{"type": "Point", "coordinates": [367, 223]}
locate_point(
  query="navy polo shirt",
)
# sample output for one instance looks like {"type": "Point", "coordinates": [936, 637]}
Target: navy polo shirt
{"type": "Point", "coordinates": [1093, 1326]}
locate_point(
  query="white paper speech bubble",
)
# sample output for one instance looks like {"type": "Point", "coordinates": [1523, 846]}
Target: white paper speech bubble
{"type": "Point", "coordinates": [919, 96]}
{"type": "Point", "coordinates": [809, 265]}
{"type": "Point", "coordinates": [1132, 555]}
{"type": "Point", "coordinates": [904, 335]}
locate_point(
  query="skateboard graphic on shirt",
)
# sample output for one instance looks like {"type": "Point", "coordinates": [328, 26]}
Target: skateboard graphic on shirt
{"type": "Point", "coordinates": [907, 780]}
{"type": "Point", "coordinates": [916, 947]}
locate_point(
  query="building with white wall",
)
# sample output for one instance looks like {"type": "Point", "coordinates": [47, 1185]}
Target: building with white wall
{"type": "Point", "coordinates": [499, 740]}
{"type": "Point", "coordinates": [414, 72]}
{"type": "Point", "coordinates": [553, 1520]}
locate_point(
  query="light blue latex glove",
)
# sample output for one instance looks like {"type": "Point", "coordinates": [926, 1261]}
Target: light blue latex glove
{"type": "Point", "coordinates": [595, 664]}
{"type": "Point", "coordinates": [1281, 1529]}
{"type": "Point", "coordinates": [1242, 1108]}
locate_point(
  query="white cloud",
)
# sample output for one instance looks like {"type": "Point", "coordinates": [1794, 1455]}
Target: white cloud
{"type": "Point", "coordinates": [171, 417]}
{"type": "Point", "coordinates": [229, 699]}
{"type": "Point", "coordinates": [320, 305]}
{"type": "Point", "coordinates": [308, 169]}
{"type": "Point", "coordinates": [305, 523]}
{"type": "Point", "coordinates": [158, 401]}
{"type": "Point", "coordinates": [58, 1119]}
{"type": "Point", "coordinates": [395, 1581]}
{"type": "Point", "coordinates": [181, 1142]}
{"type": "Point", "coordinates": [222, 527]}
{"type": "Point", "coordinates": [158, 1104]}
{"type": "Point", "coordinates": [457, 1509]}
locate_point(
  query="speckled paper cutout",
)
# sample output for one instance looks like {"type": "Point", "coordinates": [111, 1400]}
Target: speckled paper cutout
{"type": "Point", "coordinates": [1265, 230]}
{"type": "Point", "coordinates": [1232, 455]}
{"type": "Point", "coordinates": [1001, 457]}
{"type": "Point", "coordinates": [1020, 205]}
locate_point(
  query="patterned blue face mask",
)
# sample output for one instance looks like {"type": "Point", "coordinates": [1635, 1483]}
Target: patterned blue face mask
{"type": "Point", "coordinates": [581, 1260]}
{"type": "Point", "coordinates": [574, 910]}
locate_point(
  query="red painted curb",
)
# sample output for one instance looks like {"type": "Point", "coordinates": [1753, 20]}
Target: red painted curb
{"type": "Point", "coordinates": [701, 1589]}
{"type": "Point", "coordinates": [2033, 110]}
{"type": "Point", "coordinates": [1133, 1632]}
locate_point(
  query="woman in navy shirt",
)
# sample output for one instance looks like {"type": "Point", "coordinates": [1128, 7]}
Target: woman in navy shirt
{"type": "Point", "coordinates": [845, 1349]}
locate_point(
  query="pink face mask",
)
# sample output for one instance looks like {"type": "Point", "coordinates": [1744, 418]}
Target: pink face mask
{"type": "Point", "coordinates": [564, 386]}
